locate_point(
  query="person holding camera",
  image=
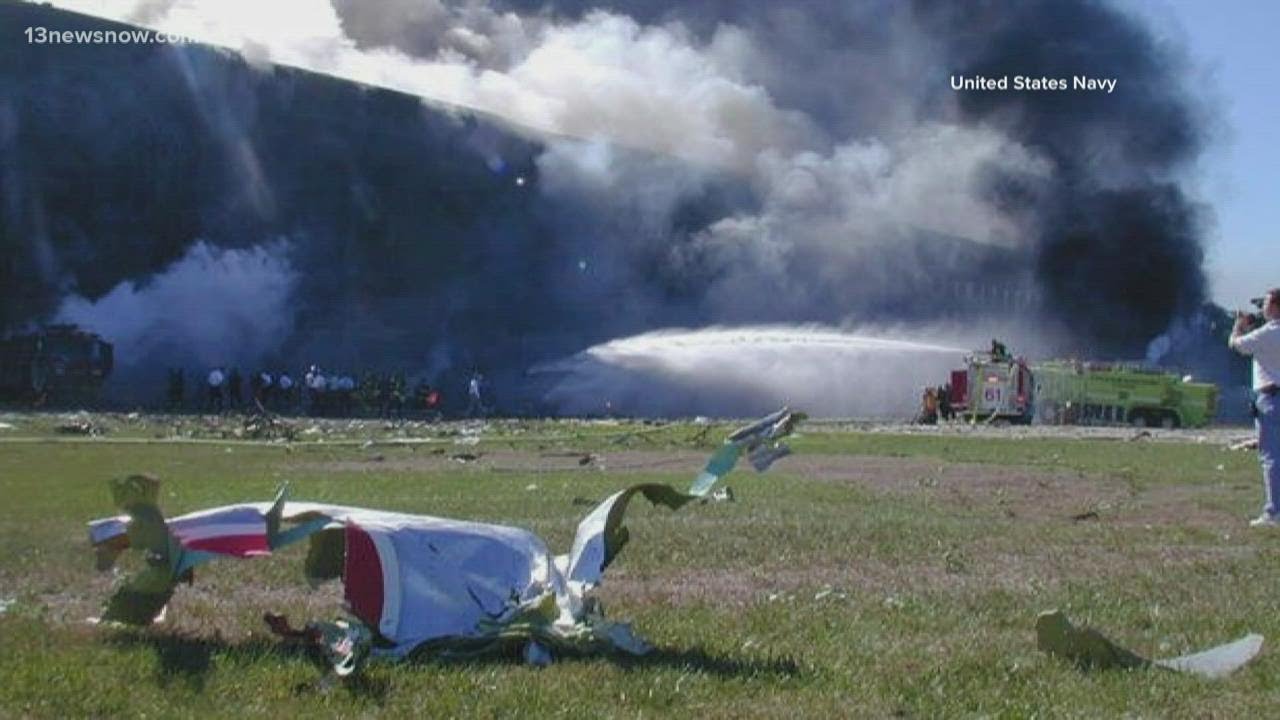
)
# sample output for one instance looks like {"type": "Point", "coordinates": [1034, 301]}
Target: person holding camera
{"type": "Point", "coordinates": [1259, 337]}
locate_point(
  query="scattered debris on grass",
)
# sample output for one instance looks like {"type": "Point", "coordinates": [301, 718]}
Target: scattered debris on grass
{"type": "Point", "coordinates": [724, 494]}
{"type": "Point", "coordinates": [265, 426]}
{"type": "Point", "coordinates": [80, 427]}
{"type": "Point", "coordinates": [1089, 649]}
{"type": "Point", "coordinates": [411, 583]}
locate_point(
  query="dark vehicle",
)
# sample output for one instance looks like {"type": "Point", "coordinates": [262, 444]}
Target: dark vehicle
{"type": "Point", "coordinates": [58, 364]}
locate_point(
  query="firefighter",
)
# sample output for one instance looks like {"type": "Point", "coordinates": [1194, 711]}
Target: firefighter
{"type": "Point", "coordinates": [398, 394]}
{"type": "Point", "coordinates": [427, 398]}
{"type": "Point", "coordinates": [999, 352]}
{"type": "Point", "coordinates": [234, 385]}
{"type": "Point", "coordinates": [945, 410]}
{"type": "Point", "coordinates": [255, 387]}
{"type": "Point", "coordinates": [929, 407]}
{"type": "Point", "coordinates": [177, 389]}
{"type": "Point", "coordinates": [383, 393]}
{"type": "Point", "coordinates": [1263, 344]}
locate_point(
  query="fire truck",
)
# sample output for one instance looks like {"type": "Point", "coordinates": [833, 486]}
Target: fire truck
{"type": "Point", "coordinates": [996, 387]}
{"type": "Point", "coordinates": [1099, 393]}
{"type": "Point", "coordinates": [57, 364]}
{"type": "Point", "coordinates": [993, 387]}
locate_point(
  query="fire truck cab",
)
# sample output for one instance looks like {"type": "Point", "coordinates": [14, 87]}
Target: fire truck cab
{"type": "Point", "coordinates": [57, 364]}
{"type": "Point", "coordinates": [993, 387]}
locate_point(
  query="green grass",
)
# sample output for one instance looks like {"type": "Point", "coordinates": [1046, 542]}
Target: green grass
{"type": "Point", "coordinates": [910, 590]}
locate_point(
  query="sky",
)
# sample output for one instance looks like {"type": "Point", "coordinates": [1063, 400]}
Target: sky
{"type": "Point", "coordinates": [1232, 43]}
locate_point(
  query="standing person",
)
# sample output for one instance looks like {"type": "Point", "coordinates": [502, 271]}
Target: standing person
{"type": "Point", "coordinates": [384, 395]}
{"type": "Point", "coordinates": [1263, 343]}
{"type": "Point", "coordinates": [475, 403]}
{"type": "Point", "coordinates": [928, 407]}
{"type": "Point", "coordinates": [285, 384]}
{"type": "Point", "coordinates": [255, 386]}
{"type": "Point", "coordinates": [176, 388]}
{"type": "Point", "coordinates": [234, 385]}
{"type": "Point", "coordinates": [268, 383]}
{"type": "Point", "coordinates": [342, 389]}
{"type": "Point", "coordinates": [215, 380]}
{"type": "Point", "coordinates": [317, 390]}
{"type": "Point", "coordinates": [398, 392]}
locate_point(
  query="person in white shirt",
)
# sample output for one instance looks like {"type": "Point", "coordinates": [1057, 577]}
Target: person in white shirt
{"type": "Point", "coordinates": [475, 395]}
{"type": "Point", "coordinates": [285, 383]}
{"type": "Point", "coordinates": [215, 380]}
{"type": "Point", "coordinates": [1263, 344]}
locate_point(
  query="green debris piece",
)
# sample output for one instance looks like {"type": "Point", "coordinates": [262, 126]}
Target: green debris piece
{"type": "Point", "coordinates": [106, 553]}
{"type": "Point", "coordinates": [601, 534]}
{"type": "Point", "coordinates": [750, 439]}
{"type": "Point", "coordinates": [300, 531]}
{"type": "Point", "coordinates": [1085, 647]}
{"type": "Point", "coordinates": [1089, 649]}
{"type": "Point", "coordinates": [137, 496]}
{"type": "Point", "coordinates": [135, 489]}
{"type": "Point", "coordinates": [189, 560]}
{"type": "Point", "coordinates": [616, 534]}
{"type": "Point", "coordinates": [721, 462]}
{"type": "Point", "coordinates": [141, 597]}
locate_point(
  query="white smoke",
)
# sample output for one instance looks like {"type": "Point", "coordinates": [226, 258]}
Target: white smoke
{"type": "Point", "coordinates": [607, 77]}
{"type": "Point", "coordinates": [211, 307]}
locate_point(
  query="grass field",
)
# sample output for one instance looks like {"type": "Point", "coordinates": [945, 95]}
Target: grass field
{"type": "Point", "coordinates": [869, 575]}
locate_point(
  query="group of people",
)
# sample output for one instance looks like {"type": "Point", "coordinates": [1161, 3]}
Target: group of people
{"type": "Point", "coordinates": [224, 390]}
{"type": "Point", "coordinates": [935, 405]}
{"type": "Point", "coordinates": [316, 393]}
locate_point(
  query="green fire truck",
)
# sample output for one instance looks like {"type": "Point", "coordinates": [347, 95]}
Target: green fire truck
{"type": "Point", "coordinates": [997, 387]}
{"type": "Point", "coordinates": [1093, 393]}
